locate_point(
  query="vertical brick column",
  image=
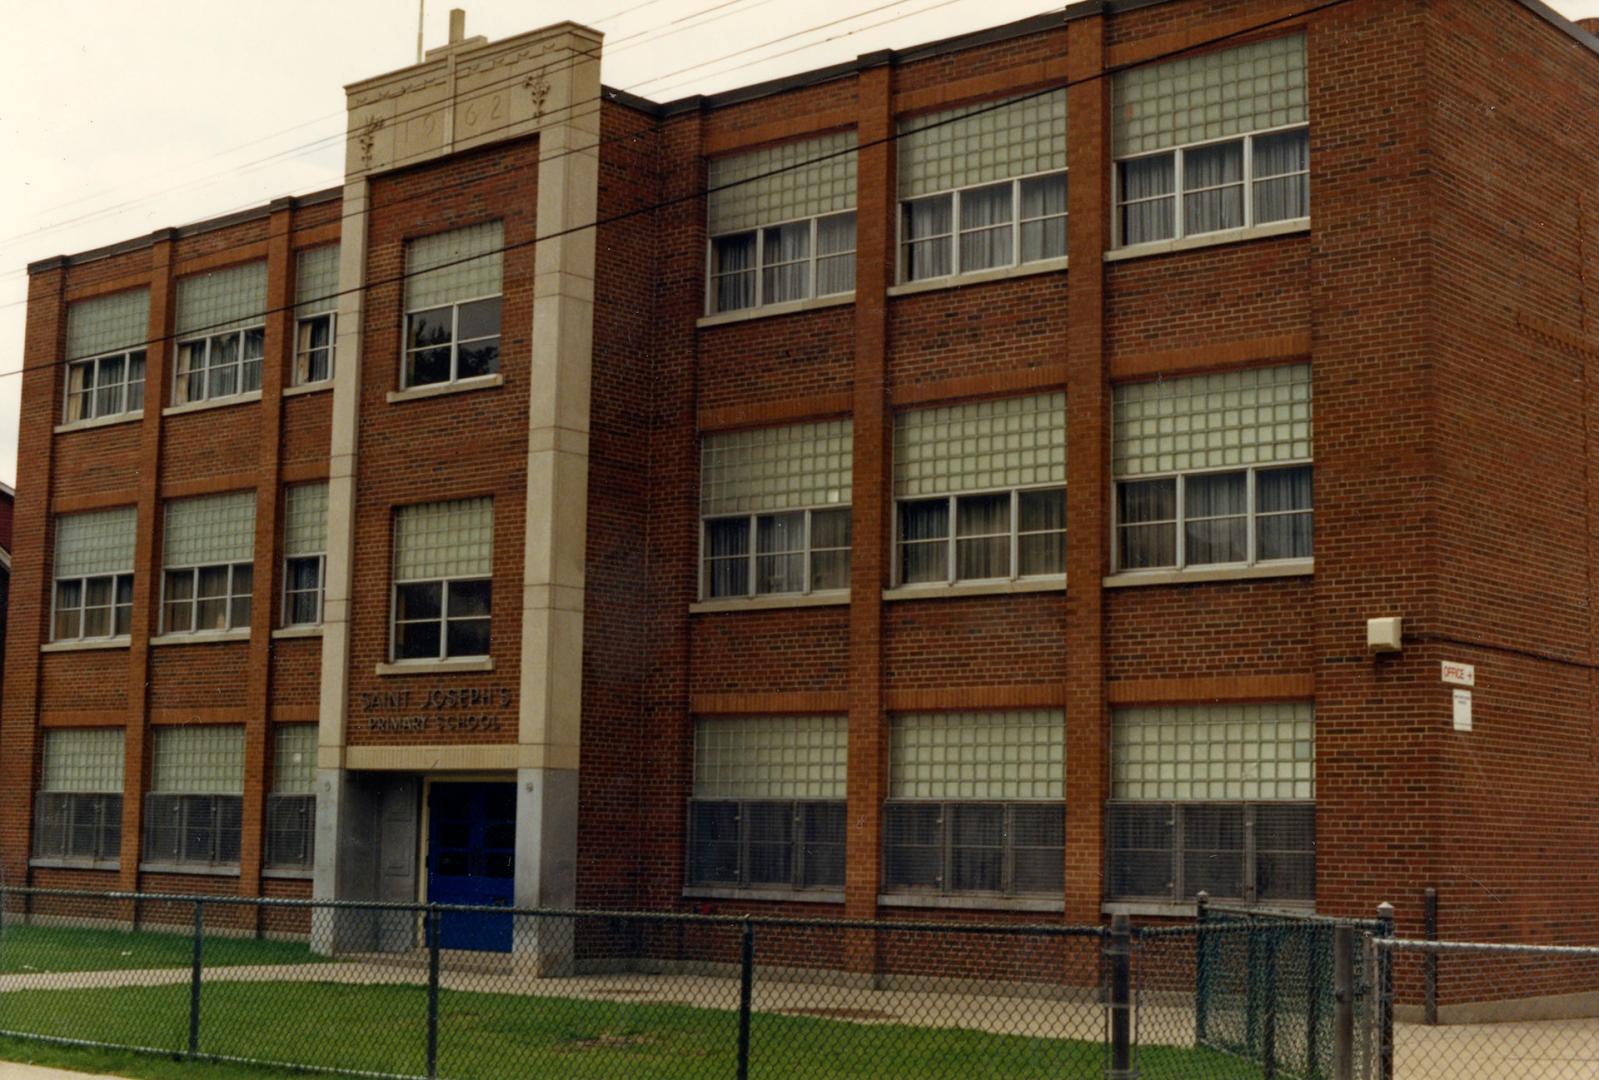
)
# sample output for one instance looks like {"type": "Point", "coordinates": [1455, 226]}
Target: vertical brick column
{"type": "Point", "coordinates": [30, 582]}
{"type": "Point", "coordinates": [1087, 470]}
{"type": "Point", "coordinates": [146, 555]}
{"type": "Point", "coordinates": [257, 727]}
{"type": "Point", "coordinates": [872, 508]}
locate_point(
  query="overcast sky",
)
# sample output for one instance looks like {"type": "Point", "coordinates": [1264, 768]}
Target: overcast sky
{"type": "Point", "coordinates": [126, 117]}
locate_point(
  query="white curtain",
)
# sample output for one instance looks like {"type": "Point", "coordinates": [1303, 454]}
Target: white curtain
{"type": "Point", "coordinates": [1223, 504]}
{"type": "Point", "coordinates": [1284, 160]}
{"type": "Point", "coordinates": [830, 547]}
{"type": "Point", "coordinates": [982, 536]}
{"type": "Point", "coordinates": [835, 254]}
{"type": "Point", "coordinates": [1044, 218]}
{"type": "Point", "coordinates": [735, 272]}
{"type": "Point", "coordinates": [80, 388]}
{"type": "Point", "coordinates": [1041, 529]}
{"type": "Point", "coordinates": [1282, 499]}
{"type": "Point", "coordinates": [1219, 170]}
{"type": "Point", "coordinates": [1148, 179]}
{"type": "Point", "coordinates": [986, 227]}
{"type": "Point", "coordinates": [923, 530]}
{"type": "Point", "coordinates": [109, 393]}
{"type": "Point", "coordinates": [928, 224]}
{"type": "Point", "coordinates": [1146, 513]}
{"type": "Point", "coordinates": [780, 553]}
{"type": "Point", "coordinates": [786, 260]}
{"type": "Point", "coordinates": [726, 557]}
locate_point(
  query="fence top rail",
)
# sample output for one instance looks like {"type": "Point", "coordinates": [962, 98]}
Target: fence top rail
{"type": "Point", "coordinates": [1482, 947]}
{"type": "Point", "coordinates": [1019, 929]}
{"type": "Point", "coordinates": [1285, 914]}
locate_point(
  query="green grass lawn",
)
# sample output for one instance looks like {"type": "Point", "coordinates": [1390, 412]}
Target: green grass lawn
{"type": "Point", "coordinates": [492, 1036]}
{"type": "Point", "coordinates": [47, 949]}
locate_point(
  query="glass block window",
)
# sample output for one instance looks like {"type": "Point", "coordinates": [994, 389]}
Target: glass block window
{"type": "Point", "coordinates": [305, 519]}
{"type": "Point", "coordinates": [82, 760]}
{"type": "Point", "coordinates": [982, 143]}
{"type": "Point", "coordinates": [770, 757]}
{"type": "Point", "coordinates": [796, 180]}
{"type": "Point", "coordinates": [1009, 442]}
{"type": "Point", "coordinates": [782, 468]}
{"type": "Point", "coordinates": [201, 760]}
{"type": "Point", "coordinates": [449, 267]}
{"type": "Point", "coordinates": [222, 300]}
{"type": "Point", "coordinates": [108, 324]}
{"type": "Point", "coordinates": [1214, 752]}
{"type": "Point", "coordinates": [1254, 417]}
{"type": "Point", "coordinates": [1196, 99]}
{"type": "Point", "coordinates": [210, 529]}
{"type": "Point", "coordinates": [316, 280]}
{"type": "Point", "coordinates": [989, 755]}
{"type": "Point", "coordinates": [99, 542]}
{"type": "Point", "coordinates": [442, 540]}
{"type": "Point", "coordinates": [294, 760]}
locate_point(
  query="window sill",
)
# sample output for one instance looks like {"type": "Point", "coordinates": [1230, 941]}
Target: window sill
{"type": "Point", "coordinates": [74, 864]}
{"type": "Point", "coordinates": [971, 903]}
{"type": "Point", "coordinates": [435, 667]}
{"type": "Point", "coordinates": [1297, 568]}
{"type": "Point", "coordinates": [217, 403]}
{"type": "Point", "coordinates": [208, 638]}
{"type": "Point", "coordinates": [955, 281]}
{"type": "Point", "coordinates": [784, 896]}
{"type": "Point", "coordinates": [746, 314]}
{"type": "Point", "coordinates": [190, 869]}
{"type": "Point", "coordinates": [766, 603]}
{"type": "Point", "coordinates": [308, 388]}
{"type": "Point", "coordinates": [297, 631]}
{"type": "Point", "coordinates": [287, 874]}
{"type": "Point", "coordinates": [100, 422]}
{"type": "Point", "coordinates": [975, 588]}
{"type": "Point", "coordinates": [85, 646]}
{"type": "Point", "coordinates": [1210, 239]}
{"type": "Point", "coordinates": [461, 386]}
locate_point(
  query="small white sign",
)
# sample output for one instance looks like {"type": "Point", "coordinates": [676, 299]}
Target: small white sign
{"type": "Point", "coordinates": [1459, 674]}
{"type": "Point", "coordinates": [1462, 710]}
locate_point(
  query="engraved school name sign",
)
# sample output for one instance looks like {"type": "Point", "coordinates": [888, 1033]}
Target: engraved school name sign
{"type": "Point", "coordinates": [442, 710]}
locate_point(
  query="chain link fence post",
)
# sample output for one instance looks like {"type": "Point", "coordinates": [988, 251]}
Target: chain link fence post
{"type": "Point", "coordinates": [1201, 965]}
{"type": "Point", "coordinates": [1430, 959]}
{"type": "Point", "coordinates": [746, 979]}
{"type": "Point", "coordinates": [194, 977]}
{"type": "Point", "coordinates": [1119, 960]}
{"type": "Point", "coordinates": [1385, 994]}
{"type": "Point", "coordinates": [433, 992]}
{"type": "Point", "coordinates": [1343, 1003]}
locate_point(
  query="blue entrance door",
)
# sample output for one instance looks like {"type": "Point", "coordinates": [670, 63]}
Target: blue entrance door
{"type": "Point", "coordinates": [471, 860]}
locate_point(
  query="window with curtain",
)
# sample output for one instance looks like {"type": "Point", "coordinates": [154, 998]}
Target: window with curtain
{"type": "Point", "coordinates": [194, 811]}
{"type": "Point", "coordinates": [105, 356]}
{"type": "Point", "coordinates": [291, 806]}
{"type": "Point", "coordinates": [976, 803]}
{"type": "Point", "coordinates": [1213, 470]}
{"type": "Point", "coordinates": [443, 562]}
{"type": "Point", "coordinates": [768, 803]}
{"type": "Point", "coordinates": [1212, 143]}
{"type": "Point", "coordinates": [983, 187]}
{"type": "Point", "coordinates": [316, 299]}
{"type": "Point", "coordinates": [305, 541]}
{"type": "Point", "coordinates": [221, 333]}
{"type": "Point", "coordinates": [980, 492]}
{"type": "Point", "coordinates": [1219, 798]}
{"type": "Point", "coordinates": [775, 510]}
{"type": "Point", "coordinates": [78, 809]}
{"type": "Point", "coordinates": [781, 223]}
{"type": "Point", "coordinates": [208, 573]}
{"type": "Point", "coordinates": [452, 305]}
{"type": "Point", "coordinates": [93, 594]}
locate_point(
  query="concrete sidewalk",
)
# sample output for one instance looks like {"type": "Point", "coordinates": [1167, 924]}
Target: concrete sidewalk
{"type": "Point", "coordinates": [11, 1071]}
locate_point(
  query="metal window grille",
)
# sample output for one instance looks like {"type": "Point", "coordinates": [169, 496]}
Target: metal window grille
{"type": "Point", "coordinates": [210, 529]}
{"type": "Point", "coordinates": [1009, 442]}
{"type": "Point", "coordinates": [770, 844]}
{"type": "Point", "coordinates": [781, 468]}
{"type": "Point", "coordinates": [1001, 848]}
{"type": "Point", "coordinates": [77, 825]}
{"type": "Point", "coordinates": [449, 267]}
{"type": "Point", "coordinates": [1196, 99]}
{"type": "Point", "coordinates": [1213, 752]}
{"type": "Point", "coordinates": [980, 144]}
{"type": "Point", "coordinates": [108, 324]}
{"type": "Point", "coordinates": [443, 540]}
{"type": "Point", "coordinates": [1253, 417]}
{"type": "Point", "coordinates": [781, 183]}
{"type": "Point", "coordinates": [222, 300]}
{"type": "Point", "coordinates": [1236, 851]}
{"type": "Point", "coordinates": [978, 756]}
{"type": "Point", "coordinates": [201, 830]}
{"type": "Point", "coordinates": [99, 542]}
{"type": "Point", "coordinates": [316, 280]}
{"type": "Point", "coordinates": [291, 807]}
